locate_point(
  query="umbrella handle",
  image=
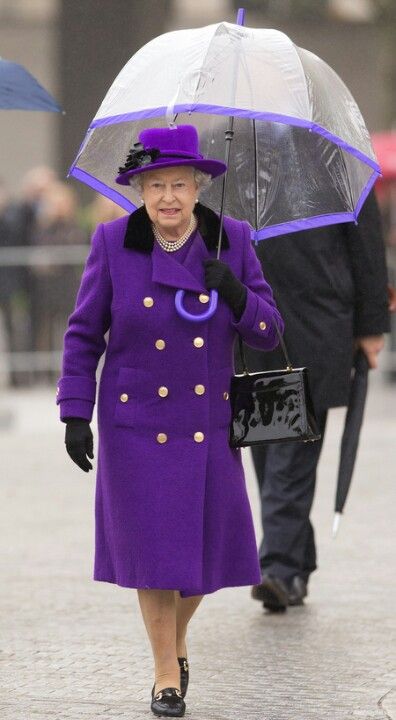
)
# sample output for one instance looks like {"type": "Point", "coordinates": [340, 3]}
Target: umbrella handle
{"type": "Point", "coordinates": [179, 297]}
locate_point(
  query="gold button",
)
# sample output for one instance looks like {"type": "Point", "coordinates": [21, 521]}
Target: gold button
{"type": "Point", "coordinates": [123, 397]}
{"type": "Point", "coordinates": [263, 325]}
{"type": "Point", "coordinates": [225, 395]}
{"type": "Point", "coordinates": [203, 298]}
{"type": "Point", "coordinates": [148, 302]}
{"type": "Point", "coordinates": [199, 389]}
{"type": "Point", "coordinates": [199, 437]}
{"type": "Point", "coordinates": [160, 344]}
{"type": "Point", "coordinates": [162, 438]}
{"type": "Point", "coordinates": [198, 342]}
{"type": "Point", "coordinates": [163, 391]}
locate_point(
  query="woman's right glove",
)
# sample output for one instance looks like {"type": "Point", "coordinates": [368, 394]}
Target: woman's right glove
{"type": "Point", "coordinates": [79, 442]}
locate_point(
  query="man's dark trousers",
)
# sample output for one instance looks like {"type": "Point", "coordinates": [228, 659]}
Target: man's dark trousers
{"type": "Point", "coordinates": [286, 474]}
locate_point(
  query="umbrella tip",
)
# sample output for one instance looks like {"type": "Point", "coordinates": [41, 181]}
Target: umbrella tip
{"type": "Point", "coordinates": [336, 523]}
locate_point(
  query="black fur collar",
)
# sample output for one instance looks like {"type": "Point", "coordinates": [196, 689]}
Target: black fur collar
{"type": "Point", "coordinates": [139, 235]}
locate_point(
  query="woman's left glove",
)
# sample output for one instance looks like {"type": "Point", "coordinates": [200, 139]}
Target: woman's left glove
{"type": "Point", "coordinates": [218, 276]}
{"type": "Point", "coordinates": [79, 442]}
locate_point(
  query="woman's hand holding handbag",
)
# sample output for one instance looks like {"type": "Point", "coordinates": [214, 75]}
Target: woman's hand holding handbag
{"type": "Point", "coordinates": [79, 442]}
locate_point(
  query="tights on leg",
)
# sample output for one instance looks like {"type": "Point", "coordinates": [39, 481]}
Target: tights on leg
{"type": "Point", "coordinates": [185, 609]}
{"type": "Point", "coordinates": [166, 618]}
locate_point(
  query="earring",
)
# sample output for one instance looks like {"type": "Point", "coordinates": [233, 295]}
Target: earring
{"type": "Point", "coordinates": [142, 201]}
{"type": "Point", "coordinates": [196, 201]}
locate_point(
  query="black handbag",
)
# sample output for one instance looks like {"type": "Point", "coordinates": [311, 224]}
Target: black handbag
{"type": "Point", "coordinates": [271, 406]}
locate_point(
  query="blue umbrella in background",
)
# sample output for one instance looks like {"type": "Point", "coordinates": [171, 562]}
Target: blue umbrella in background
{"type": "Point", "coordinates": [19, 90]}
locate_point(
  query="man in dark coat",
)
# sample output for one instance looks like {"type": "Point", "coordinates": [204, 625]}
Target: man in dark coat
{"type": "Point", "coordinates": [331, 288]}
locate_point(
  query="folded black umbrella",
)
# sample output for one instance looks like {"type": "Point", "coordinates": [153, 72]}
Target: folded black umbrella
{"type": "Point", "coordinates": [350, 438]}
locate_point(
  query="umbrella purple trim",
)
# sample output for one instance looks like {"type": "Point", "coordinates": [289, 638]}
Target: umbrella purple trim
{"type": "Point", "coordinates": [315, 220]}
{"type": "Point", "coordinates": [263, 234]}
{"type": "Point", "coordinates": [303, 224]}
{"type": "Point", "coordinates": [238, 112]}
{"type": "Point", "coordinates": [371, 182]}
{"type": "Point", "coordinates": [101, 187]}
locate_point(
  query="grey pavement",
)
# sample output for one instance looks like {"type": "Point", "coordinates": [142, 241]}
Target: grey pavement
{"type": "Point", "coordinates": [73, 648]}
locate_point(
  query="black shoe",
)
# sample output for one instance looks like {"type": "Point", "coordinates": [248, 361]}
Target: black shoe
{"type": "Point", "coordinates": [184, 676]}
{"type": "Point", "coordinates": [168, 703]}
{"type": "Point", "coordinates": [297, 591]}
{"type": "Point", "coordinates": [272, 592]}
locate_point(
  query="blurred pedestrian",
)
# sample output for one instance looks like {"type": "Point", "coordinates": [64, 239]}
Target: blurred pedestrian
{"type": "Point", "coordinates": [54, 285]}
{"type": "Point", "coordinates": [172, 514]}
{"type": "Point", "coordinates": [9, 286]}
{"type": "Point", "coordinates": [331, 286]}
{"type": "Point", "coordinates": [100, 210]}
{"type": "Point", "coordinates": [23, 215]}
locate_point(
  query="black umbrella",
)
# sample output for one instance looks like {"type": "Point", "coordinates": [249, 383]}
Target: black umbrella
{"type": "Point", "coordinates": [350, 438]}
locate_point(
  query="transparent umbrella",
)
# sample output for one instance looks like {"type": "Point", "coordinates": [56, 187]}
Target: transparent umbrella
{"type": "Point", "coordinates": [301, 154]}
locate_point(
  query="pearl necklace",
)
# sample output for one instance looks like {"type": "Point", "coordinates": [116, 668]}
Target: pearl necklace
{"type": "Point", "coordinates": [169, 246]}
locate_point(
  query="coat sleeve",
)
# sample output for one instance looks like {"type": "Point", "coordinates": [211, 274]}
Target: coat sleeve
{"type": "Point", "coordinates": [84, 341]}
{"type": "Point", "coordinates": [366, 250]}
{"type": "Point", "coordinates": [256, 325]}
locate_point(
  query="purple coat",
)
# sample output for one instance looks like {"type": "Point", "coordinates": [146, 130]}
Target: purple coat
{"type": "Point", "coordinates": [171, 507]}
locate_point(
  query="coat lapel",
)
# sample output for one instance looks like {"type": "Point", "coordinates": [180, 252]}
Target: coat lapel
{"type": "Point", "coordinates": [188, 276]}
{"type": "Point", "coordinates": [167, 270]}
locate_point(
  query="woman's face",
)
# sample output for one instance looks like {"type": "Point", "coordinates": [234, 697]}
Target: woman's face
{"type": "Point", "coordinates": [169, 195]}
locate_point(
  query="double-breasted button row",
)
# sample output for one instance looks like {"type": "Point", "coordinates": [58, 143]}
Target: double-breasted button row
{"type": "Point", "coordinates": [198, 389]}
{"type": "Point", "coordinates": [198, 342]}
{"type": "Point", "coordinates": [163, 392]}
{"type": "Point", "coordinates": [198, 437]}
{"type": "Point", "coordinates": [148, 302]}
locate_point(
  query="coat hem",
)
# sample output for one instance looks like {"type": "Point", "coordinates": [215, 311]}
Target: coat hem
{"type": "Point", "coordinates": [184, 593]}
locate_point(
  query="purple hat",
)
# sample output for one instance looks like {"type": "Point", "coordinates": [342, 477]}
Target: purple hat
{"type": "Point", "coordinates": [167, 147]}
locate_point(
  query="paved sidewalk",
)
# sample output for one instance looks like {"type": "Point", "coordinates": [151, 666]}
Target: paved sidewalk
{"type": "Point", "coordinates": [72, 648]}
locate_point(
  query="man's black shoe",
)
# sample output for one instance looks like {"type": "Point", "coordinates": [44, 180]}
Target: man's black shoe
{"type": "Point", "coordinates": [297, 591]}
{"type": "Point", "coordinates": [272, 592]}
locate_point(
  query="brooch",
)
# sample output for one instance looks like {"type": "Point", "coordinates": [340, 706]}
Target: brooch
{"type": "Point", "coordinates": [139, 157]}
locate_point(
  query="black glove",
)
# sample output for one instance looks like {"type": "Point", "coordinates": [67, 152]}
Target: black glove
{"type": "Point", "coordinates": [79, 442]}
{"type": "Point", "coordinates": [218, 276]}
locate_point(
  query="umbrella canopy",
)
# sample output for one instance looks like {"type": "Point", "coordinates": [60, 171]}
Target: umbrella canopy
{"type": "Point", "coordinates": [350, 438]}
{"type": "Point", "coordinates": [301, 154]}
{"type": "Point", "coordinates": [19, 90]}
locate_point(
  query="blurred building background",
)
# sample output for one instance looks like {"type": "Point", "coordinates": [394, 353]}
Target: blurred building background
{"type": "Point", "coordinates": [75, 48]}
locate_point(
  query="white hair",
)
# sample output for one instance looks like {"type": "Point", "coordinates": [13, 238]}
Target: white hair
{"type": "Point", "coordinates": [202, 180]}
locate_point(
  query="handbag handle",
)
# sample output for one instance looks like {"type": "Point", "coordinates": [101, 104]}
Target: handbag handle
{"type": "Point", "coordinates": [289, 366]}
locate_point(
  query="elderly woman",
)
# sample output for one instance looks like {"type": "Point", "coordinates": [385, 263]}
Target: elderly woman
{"type": "Point", "coordinates": [172, 514]}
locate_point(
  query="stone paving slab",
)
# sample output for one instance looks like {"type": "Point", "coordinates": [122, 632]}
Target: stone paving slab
{"type": "Point", "coordinates": [72, 648]}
